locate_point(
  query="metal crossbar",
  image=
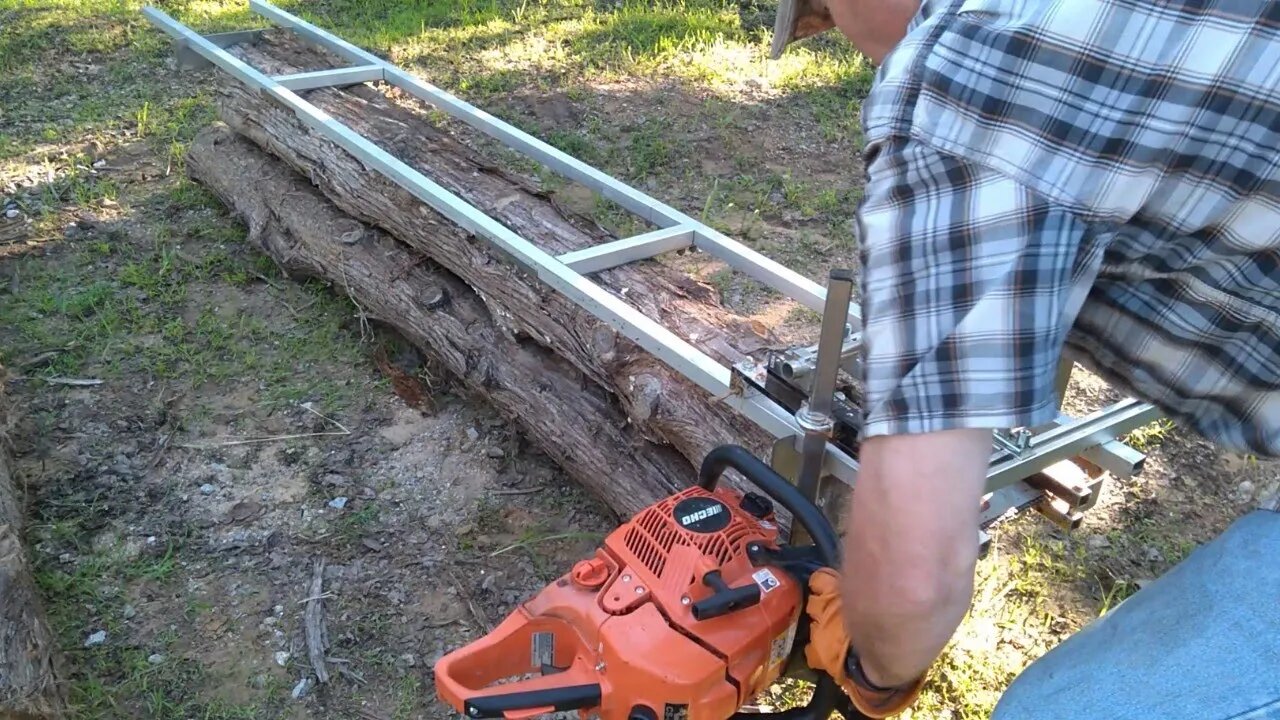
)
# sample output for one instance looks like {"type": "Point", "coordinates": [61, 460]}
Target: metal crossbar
{"type": "Point", "coordinates": [1094, 435]}
{"type": "Point", "coordinates": [620, 252]}
{"type": "Point", "coordinates": [337, 77]}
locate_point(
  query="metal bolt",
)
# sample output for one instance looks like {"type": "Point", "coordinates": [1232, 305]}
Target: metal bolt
{"type": "Point", "coordinates": [639, 589]}
{"type": "Point", "coordinates": [626, 578]}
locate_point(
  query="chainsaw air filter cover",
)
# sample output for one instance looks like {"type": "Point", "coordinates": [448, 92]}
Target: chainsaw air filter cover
{"type": "Point", "coordinates": [668, 620]}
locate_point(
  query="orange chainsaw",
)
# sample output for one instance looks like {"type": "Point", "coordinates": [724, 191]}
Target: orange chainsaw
{"type": "Point", "coordinates": [687, 612]}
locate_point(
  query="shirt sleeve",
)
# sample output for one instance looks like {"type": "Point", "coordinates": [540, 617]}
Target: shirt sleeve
{"type": "Point", "coordinates": [970, 285]}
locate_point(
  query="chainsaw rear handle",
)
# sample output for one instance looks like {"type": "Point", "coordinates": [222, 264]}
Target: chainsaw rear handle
{"type": "Point", "coordinates": [827, 693]}
{"type": "Point", "coordinates": [776, 487]}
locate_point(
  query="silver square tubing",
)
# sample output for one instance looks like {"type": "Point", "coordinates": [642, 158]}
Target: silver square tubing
{"type": "Point", "coordinates": [738, 256]}
{"type": "Point", "coordinates": [627, 250]}
{"type": "Point", "coordinates": [337, 77]}
{"type": "Point", "coordinates": [1116, 458]}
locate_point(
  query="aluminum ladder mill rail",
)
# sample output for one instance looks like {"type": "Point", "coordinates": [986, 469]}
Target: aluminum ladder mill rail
{"type": "Point", "coordinates": [567, 273]}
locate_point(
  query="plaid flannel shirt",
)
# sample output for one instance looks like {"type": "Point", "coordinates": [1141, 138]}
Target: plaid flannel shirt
{"type": "Point", "coordinates": [1094, 178]}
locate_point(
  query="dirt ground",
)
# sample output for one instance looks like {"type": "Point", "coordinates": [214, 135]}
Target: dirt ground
{"type": "Point", "coordinates": [227, 429]}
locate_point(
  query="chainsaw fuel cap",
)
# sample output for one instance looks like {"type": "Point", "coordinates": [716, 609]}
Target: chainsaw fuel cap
{"type": "Point", "coordinates": [590, 574]}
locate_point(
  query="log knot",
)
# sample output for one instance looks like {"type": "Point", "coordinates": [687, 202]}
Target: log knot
{"type": "Point", "coordinates": [645, 392]}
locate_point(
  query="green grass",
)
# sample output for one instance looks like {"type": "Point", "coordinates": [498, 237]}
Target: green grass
{"type": "Point", "coordinates": [351, 527]}
{"type": "Point", "coordinates": [88, 589]}
{"type": "Point", "coordinates": [409, 694]}
{"type": "Point", "coordinates": [112, 306]}
{"type": "Point", "coordinates": [1150, 436]}
{"type": "Point", "coordinates": [79, 69]}
{"type": "Point", "coordinates": [130, 322]}
{"type": "Point", "coordinates": [162, 692]}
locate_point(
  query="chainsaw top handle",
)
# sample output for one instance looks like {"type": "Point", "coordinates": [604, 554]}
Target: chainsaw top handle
{"type": "Point", "coordinates": [827, 693]}
{"type": "Point", "coordinates": [789, 496]}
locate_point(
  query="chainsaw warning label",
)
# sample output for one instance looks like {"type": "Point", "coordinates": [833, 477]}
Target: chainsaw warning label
{"type": "Point", "coordinates": [543, 653]}
{"type": "Point", "coordinates": [675, 712]}
{"type": "Point", "coordinates": [765, 579]}
{"type": "Point", "coordinates": [781, 648]}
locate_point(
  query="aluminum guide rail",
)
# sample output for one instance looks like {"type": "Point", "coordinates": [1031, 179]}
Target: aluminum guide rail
{"type": "Point", "coordinates": [566, 273]}
{"type": "Point", "coordinates": [740, 257]}
{"type": "Point", "coordinates": [1066, 441]}
{"type": "Point", "coordinates": [699, 367]}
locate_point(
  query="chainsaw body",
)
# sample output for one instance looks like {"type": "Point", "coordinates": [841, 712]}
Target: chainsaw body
{"type": "Point", "coordinates": [682, 614]}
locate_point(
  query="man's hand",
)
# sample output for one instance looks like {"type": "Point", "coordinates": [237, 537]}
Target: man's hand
{"type": "Point", "coordinates": [910, 548]}
{"type": "Point", "coordinates": [873, 26]}
{"type": "Point", "coordinates": [828, 650]}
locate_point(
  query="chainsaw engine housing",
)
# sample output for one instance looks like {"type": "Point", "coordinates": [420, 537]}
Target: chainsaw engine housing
{"type": "Point", "coordinates": [670, 619]}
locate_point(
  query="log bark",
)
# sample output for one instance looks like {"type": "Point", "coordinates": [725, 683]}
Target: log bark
{"type": "Point", "coordinates": [555, 406]}
{"type": "Point", "coordinates": [29, 677]}
{"type": "Point", "coordinates": [666, 407]}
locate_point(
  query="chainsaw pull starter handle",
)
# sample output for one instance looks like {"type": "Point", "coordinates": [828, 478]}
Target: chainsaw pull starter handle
{"type": "Point", "coordinates": [826, 695]}
{"type": "Point", "coordinates": [725, 599]}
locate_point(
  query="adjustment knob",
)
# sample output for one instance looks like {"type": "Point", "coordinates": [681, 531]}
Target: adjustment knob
{"type": "Point", "coordinates": [756, 505]}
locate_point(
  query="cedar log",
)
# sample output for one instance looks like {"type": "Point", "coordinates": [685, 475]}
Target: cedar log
{"type": "Point", "coordinates": [29, 677]}
{"type": "Point", "coordinates": [665, 406]}
{"type": "Point", "coordinates": [573, 421]}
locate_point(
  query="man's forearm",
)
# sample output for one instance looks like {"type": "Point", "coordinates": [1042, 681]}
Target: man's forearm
{"type": "Point", "coordinates": [873, 26]}
{"type": "Point", "coordinates": [910, 548]}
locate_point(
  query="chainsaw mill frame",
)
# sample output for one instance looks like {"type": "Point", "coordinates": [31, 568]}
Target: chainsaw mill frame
{"type": "Point", "coordinates": [1016, 455]}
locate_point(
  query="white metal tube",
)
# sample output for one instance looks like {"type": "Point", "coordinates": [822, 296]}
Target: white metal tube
{"type": "Point", "coordinates": [335, 77]}
{"type": "Point", "coordinates": [737, 255]}
{"type": "Point", "coordinates": [620, 252]}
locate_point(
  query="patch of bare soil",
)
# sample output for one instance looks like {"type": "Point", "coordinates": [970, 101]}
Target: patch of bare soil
{"type": "Point", "coordinates": [407, 513]}
{"type": "Point", "coordinates": [256, 428]}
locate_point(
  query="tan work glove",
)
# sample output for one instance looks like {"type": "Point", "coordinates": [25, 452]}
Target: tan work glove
{"type": "Point", "coordinates": [828, 649]}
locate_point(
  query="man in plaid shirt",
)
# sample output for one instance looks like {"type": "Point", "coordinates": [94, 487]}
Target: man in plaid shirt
{"type": "Point", "coordinates": [1094, 178]}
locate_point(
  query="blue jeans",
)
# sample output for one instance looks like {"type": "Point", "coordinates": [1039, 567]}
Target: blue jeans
{"type": "Point", "coordinates": [1200, 643]}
